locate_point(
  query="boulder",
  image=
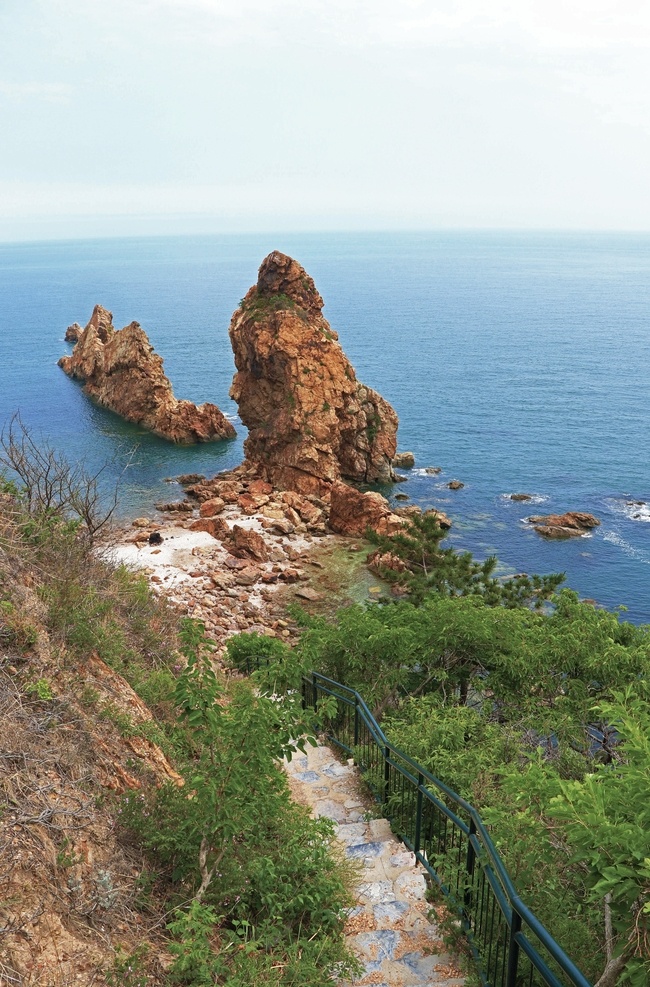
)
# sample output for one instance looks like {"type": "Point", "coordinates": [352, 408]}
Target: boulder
{"type": "Point", "coordinates": [248, 544]}
{"type": "Point", "coordinates": [304, 508]}
{"type": "Point", "coordinates": [377, 561]}
{"type": "Point", "coordinates": [521, 496]}
{"type": "Point", "coordinates": [178, 506]}
{"type": "Point", "coordinates": [73, 333]}
{"type": "Point", "coordinates": [307, 593]}
{"type": "Point", "coordinates": [352, 512]}
{"type": "Point", "coordinates": [211, 507]}
{"type": "Point", "coordinates": [404, 460]}
{"type": "Point", "coordinates": [455, 485]}
{"type": "Point", "coordinates": [310, 421]}
{"type": "Point", "coordinates": [215, 526]}
{"type": "Point", "coordinates": [120, 370]}
{"type": "Point", "coordinates": [250, 503]}
{"type": "Point", "coordinates": [247, 576]}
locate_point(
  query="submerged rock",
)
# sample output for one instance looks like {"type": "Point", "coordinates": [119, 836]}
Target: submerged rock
{"type": "Point", "coordinates": [310, 421]}
{"type": "Point", "coordinates": [120, 370]}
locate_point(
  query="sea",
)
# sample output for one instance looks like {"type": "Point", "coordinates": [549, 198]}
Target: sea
{"type": "Point", "coordinates": [517, 362]}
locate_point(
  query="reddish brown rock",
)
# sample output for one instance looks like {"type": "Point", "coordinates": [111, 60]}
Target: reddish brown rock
{"type": "Point", "coordinates": [119, 370]}
{"type": "Point", "coordinates": [385, 560]}
{"type": "Point", "coordinates": [73, 333]}
{"type": "Point", "coordinates": [304, 508]}
{"type": "Point", "coordinates": [251, 504]}
{"type": "Point", "coordinates": [352, 512]}
{"type": "Point", "coordinates": [569, 525]}
{"type": "Point", "coordinates": [179, 506]}
{"type": "Point", "coordinates": [247, 576]}
{"type": "Point", "coordinates": [209, 508]}
{"type": "Point", "coordinates": [248, 544]}
{"type": "Point", "coordinates": [215, 526]}
{"type": "Point", "coordinates": [310, 420]}
{"type": "Point", "coordinates": [260, 488]}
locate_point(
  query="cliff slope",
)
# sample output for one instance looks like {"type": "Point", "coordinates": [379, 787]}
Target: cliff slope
{"type": "Point", "coordinates": [310, 421]}
{"type": "Point", "coordinates": [120, 370]}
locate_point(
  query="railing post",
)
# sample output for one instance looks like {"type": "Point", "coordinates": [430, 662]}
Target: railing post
{"type": "Point", "coordinates": [513, 951]}
{"type": "Point", "coordinates": [418, 816]}
{"type": "Point", "coordinates": [469, 869]}
{"type": "Point", "coordinates": [356, 723]}
{"type": "Point", "coordinates": [386, 775]}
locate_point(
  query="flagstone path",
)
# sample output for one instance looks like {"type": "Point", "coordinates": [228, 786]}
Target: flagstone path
{"type": "Point", "coordinates": [389, 929]}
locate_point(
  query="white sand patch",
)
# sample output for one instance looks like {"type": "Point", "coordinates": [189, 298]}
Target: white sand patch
{"type": "Point", "coordinates": [170, 560]}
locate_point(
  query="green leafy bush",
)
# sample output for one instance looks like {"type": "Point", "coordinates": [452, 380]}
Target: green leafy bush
{"type": "Point", "coordinates": [249, 857]}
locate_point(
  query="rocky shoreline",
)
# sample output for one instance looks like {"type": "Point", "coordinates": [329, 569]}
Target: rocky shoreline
{"type": "Point", "coordinates": [234, 553]}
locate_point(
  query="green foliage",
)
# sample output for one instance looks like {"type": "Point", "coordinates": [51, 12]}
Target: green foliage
{"type": "Point", "coordinates": [430, 568]}
{"type": "Point", "coordinates": [457, 744]}
{"type": "Point", "coordinates": [41, 689]}
{"type": "Point", "coordinates": [129, 969]}
{"type": "Point", "coordinates": [259, 306]}
{"type": "Point", "coordinates": [248, 652]}
{"type": "Point", "coordinates": [606, 821]}
{"type": "Point", "coordinates": [248, 855]}
{"type": "Point", "coordinates": [503, 703]}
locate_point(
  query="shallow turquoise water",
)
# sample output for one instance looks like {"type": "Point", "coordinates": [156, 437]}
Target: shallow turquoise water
{"type": "Point", "coordinates": [517, 362]}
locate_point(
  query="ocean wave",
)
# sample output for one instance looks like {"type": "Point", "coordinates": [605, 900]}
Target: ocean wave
{"type": "Point", "coordinates": [422, 471]}
{"type": "Point", "coordinates": [635, 510]}
{"type": "Point", "coordinates": [614, 538]}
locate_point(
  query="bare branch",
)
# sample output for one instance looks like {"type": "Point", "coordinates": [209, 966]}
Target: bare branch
{"type": "Point", "coordinates": [51, 485]}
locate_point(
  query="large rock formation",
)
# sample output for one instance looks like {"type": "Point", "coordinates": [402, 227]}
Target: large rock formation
{"type": "Point", "coordinates": [310, 420]}
{"type": "Point", "coordinates": [120, 371]}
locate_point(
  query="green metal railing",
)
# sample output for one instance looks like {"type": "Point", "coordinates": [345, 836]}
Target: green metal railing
{"type": "Point", "coordinates": [511, 946]}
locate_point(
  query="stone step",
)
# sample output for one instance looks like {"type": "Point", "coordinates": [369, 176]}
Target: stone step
{"type": "Point", "coordinates": [389, 928]}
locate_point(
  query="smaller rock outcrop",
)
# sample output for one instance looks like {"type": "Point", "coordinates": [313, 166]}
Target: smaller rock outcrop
{"type": "Point", "coordinates": [404, 460]}
{"type": "Point", "coordinates": [569, 525]}
{"type": "Point", "coordinates": [120, 370]}
{"type": "Point", "coordinates": [73, 332]}
{"type": "Point", "coordinates": [352, 512]}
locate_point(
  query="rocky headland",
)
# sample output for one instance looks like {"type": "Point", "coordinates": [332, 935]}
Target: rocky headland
{"type": "Point", "coordinates": [120, 370]}
{"type": "Point", "coordinates": [311, 423]}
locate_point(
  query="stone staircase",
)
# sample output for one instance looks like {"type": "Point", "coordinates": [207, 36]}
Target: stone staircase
{"type": "Point", "coordinates": [389, 929]}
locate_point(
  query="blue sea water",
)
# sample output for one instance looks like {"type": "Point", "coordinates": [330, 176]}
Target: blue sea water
{"type": "Point", "coordinates": [516, 362]}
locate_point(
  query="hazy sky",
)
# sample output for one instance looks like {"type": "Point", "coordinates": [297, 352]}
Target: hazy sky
{"type": "Point", "coordinates": [164, 116]}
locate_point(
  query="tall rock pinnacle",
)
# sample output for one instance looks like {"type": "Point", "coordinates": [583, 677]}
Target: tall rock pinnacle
{"type": "Point", "coordinates": [310, 421]}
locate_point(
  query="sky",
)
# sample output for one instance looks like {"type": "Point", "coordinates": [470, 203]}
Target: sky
{"type": "Point", "coordinates": [127, 117]}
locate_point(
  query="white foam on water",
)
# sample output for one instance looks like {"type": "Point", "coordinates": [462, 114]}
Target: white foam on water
{"type": "Point", "coordinates": [614, 538]}
{"type": "Point", "coordinates": [534, 499]}
{"type": "Point", "coordinates": [637, 512]}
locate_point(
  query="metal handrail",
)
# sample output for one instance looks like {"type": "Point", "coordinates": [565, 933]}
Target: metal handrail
{"type": "Point", "coordinates": [448, 837]}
